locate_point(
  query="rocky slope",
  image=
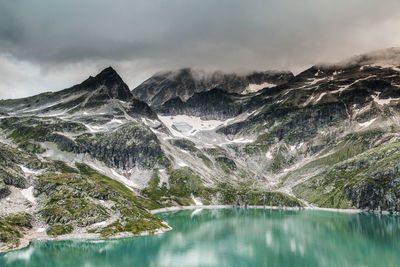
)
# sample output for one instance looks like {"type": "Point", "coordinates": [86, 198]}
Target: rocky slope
{"type": "Point", "coordinates": [94, 159]}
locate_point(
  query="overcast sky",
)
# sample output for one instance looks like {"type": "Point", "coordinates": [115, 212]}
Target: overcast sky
{"type": "Point", "coordinates": [48, 45]}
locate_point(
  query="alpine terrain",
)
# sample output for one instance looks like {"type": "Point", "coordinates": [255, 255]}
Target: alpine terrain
{"type": "Point", "coordinates": [94, 159]}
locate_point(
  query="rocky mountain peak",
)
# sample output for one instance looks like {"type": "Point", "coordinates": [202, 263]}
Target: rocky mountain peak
{"type": "Point", "coordinates": [94, 92]}
{"type": "Point", "coordinates": [109, 83]}
{"type": "Point", "coordinates": [107, 71]}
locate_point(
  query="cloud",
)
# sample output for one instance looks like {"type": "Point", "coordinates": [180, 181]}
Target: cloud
{"type": "Point", "coordinates": [139, 37]}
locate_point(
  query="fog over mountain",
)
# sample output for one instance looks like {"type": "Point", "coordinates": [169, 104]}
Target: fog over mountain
{"type": "Point", "coordinates": [46, 45]}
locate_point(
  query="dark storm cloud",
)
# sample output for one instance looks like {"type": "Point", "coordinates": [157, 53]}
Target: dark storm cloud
{"type": "Point", "coordinates": [143, 36]}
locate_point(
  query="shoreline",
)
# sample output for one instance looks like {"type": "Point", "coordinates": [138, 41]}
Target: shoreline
{"type": "Point", "coordinates": [27, 239]}
{"type": "Point", "coordinates": [177, 208]}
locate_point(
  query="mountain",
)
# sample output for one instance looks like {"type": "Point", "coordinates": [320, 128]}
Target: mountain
{"type": "Point", "coordinates": [94, 159]}
{"type": "Point", "coordinates": [184, 83]}
{"type": "Point", "coordinates": [90, 94]}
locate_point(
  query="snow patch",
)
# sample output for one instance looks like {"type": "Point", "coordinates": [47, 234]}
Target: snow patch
{"type": "Point", "coordinates": [28, 194]}
{"type": "Point", "coordinates": [123, 179]}
{"type": "Point", "coordinates": [238, 141]}
{"type": "Point", "coordinates": [28, 171]}
{"type": "Point", "coordinates": [150, 123]}
{"type": "Point", "coordinates": [268, 155]}
{"type": "Point", "coordinates": [341, 89]}
{"type": "Point", "coordinates": [196, 201]}
{"type": "Point", "coordinates": [315, 81]}
{"type": "Point", "coordinates": [103, 223]}
{"type": "Point", "coordinates": [94, 128]}
{"type": "Point", "coordinates": [182, 164]}
{"type": "Point", "coordinates": [386, 65]}
{"type": "Point", "coordinates": [115, 175]}
{"type": "Point", "coordinates": [184, 125]}
{"type": "Point", "coordinates": [309, 100]}
{"type": "Point", "coordinates": [383, 101]}
{"type": "Point", "coordinates": [52, 104]}
{"type": "Point", "coordinates": [115, 121]}
{"type": "Point", "coordinates": [344, 87]}
{"type": "Point", "coordinates": [368, 123]}
{"type": "Point", "coordinates": [253, 87]}
{"type": "Point", "coordinates": [320, 97]}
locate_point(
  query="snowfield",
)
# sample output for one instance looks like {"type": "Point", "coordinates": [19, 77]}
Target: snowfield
{"type": "Point", "coordinates": [28, 194]}
{"type": "Point", "coordinates": [184, 125]}
{"type": "Point", "coordinates": [253, 87]}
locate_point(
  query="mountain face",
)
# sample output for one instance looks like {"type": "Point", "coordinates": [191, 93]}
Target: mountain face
{"type": "Point", "coordinates": [214, 104]}
{"type": "Point", "coordinates": [91, 94]}
{"type": "Point", "coordinates": [94, 158]}
{"type": "Point", "coordinates": [184, 83]}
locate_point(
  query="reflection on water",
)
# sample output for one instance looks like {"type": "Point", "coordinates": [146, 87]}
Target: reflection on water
{"type": "Point", "coordinates": [235, 237]}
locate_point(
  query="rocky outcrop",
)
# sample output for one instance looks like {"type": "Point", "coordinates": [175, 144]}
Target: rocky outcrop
{"type": "Point", "coordinates": [128, 146]}
{"type": "Point", "coordinates": [11, 173]}
{"type": "Point", "coordinates": [215, 104]}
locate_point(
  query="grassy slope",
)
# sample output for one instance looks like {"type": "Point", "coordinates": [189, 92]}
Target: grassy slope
{"type": "Point", "coordinates": [75, 198]}
{"type": "Point", "coordinates": [363, 181]}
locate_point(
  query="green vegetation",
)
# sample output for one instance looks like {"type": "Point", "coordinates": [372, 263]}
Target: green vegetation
{"type": "Point", "coordinates": [216, 151]}
{"type": "Point", "coordinates": [368, 180]}
{"type": "Point", "coordinates": [12, 228]}
{"type": "Point", "coordinates": [59, 229]}
{"type": "Point", "coordinates": [281, 159]}
{"type": "Point", "coordinates": [26, 133]}
{"type": "Point", "coordinates": [75, 197]}
{"type": "Point", "coordinates": [348, 147]}
{"type": "Point", "coordinates": [205, 160]}
{"type": "Point", "coordinates": [184, 144]}
{"type": "Point", "coordinates": [221, 157]}
{"type": "Point", "coordinates": [183, 182]}
{"type": "Point", "coordinates": [31, 147]}
{"type": "Point", "coordinates": [230, 194]}
{"type": "Point", "coordinates": [261, 144]}
{"type": "Point", "coordinates": [153, 191]}
{"type": "Point", "coordinates": [111, 188]}
{"type": "Point", "coordinates": [325, 194]}
{"type": "Point", "coordinates": [226, 164]}
{"type": "Point", "coordinates": [27, 129]}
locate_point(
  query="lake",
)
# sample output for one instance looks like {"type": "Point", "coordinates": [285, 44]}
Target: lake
{"type": "Point", "coordinates": [234, 237]}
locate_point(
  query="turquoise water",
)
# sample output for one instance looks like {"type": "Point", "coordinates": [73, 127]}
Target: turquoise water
{"type": "Point", "coordinates": [230, 237]}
